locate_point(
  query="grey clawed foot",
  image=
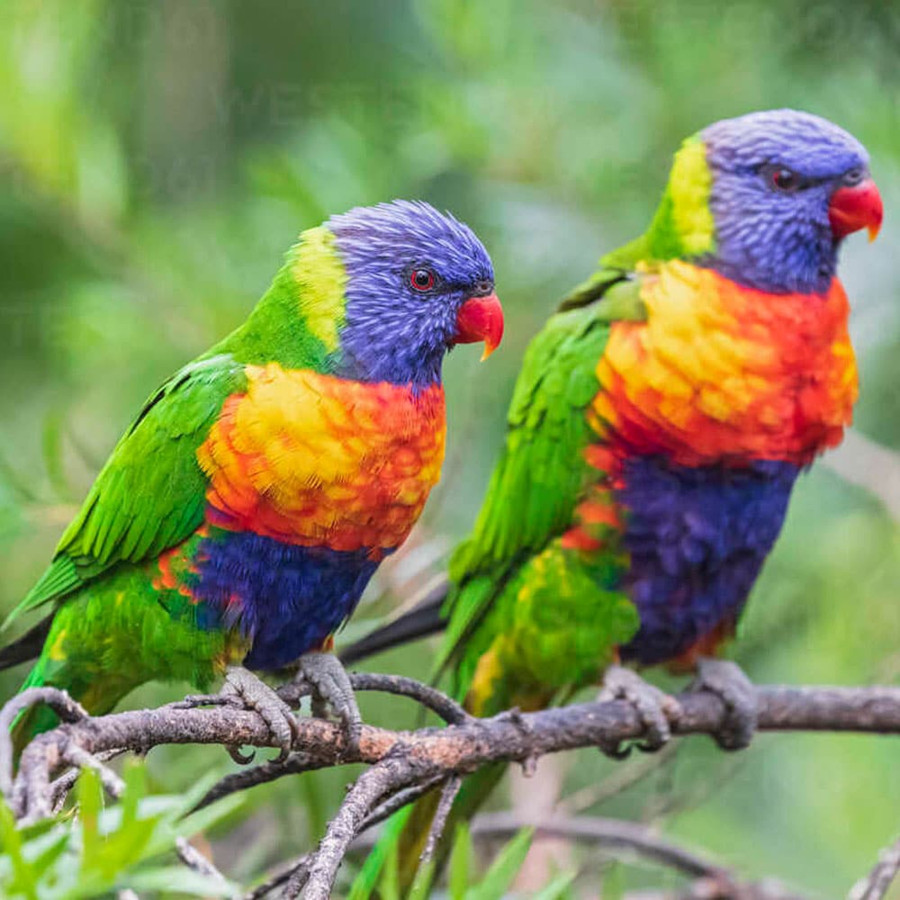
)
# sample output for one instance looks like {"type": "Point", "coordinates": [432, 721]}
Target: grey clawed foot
{"type": "Point", "coordinates": [728, 682]}
{"type": "Point", "coordinates": [255, 694]}
{"type": "Point", "coordinates": [330, 685]}
{"type": "Point", "coordinates": [655, 708]}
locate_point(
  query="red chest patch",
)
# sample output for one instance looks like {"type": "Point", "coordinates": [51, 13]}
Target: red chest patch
{"type": "Point", "coordinates": [723, 373]}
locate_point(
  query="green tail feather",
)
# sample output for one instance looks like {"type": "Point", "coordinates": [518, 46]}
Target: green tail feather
{"type": "Point", "coordinates": [59, 579]}
{"type": "Point", "coordinates": [97, 698]}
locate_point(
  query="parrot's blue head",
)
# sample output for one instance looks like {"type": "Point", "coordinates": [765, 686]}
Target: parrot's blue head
{"type": "Point", "coordinates": [786, 187]}
{"type": "Point", "coordinates": [418, 282]}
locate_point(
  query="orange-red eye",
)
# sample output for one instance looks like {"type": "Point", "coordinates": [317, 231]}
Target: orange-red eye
{"type": "Point", "coordinates": [784, 180]}
{"type": "Point", "coordinates": [421, 279]}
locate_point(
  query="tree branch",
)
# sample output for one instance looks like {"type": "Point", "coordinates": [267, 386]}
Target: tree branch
{"type": "Point", "coordinates": [402, 762]}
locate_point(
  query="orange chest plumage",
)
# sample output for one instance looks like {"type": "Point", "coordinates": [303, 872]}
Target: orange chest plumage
{"type": "Point", "coordinates": [724, 373]}
{"type": "Point", "coordinates": [319, 461]}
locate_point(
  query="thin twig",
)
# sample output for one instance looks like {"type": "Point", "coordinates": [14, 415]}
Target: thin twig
{"type": "Point", "coordinates": [279, 878]}
{"type": "Point", "coordinates": [195, 860]}
{"type": "Point", "coordinates": [876, 884]}
{"type": "Point", "coordinates": [272, 770]}
{"type": "Point", "coordinates": [397, 801]}
{"type": "Point", "coordinates": [613, 833]}
{"type": "Point", "coordinates": [61, 787]}
{"type": "Point", "coordinates": [59, 701]}
{"type": "Point", "coordinates": [439, 822]}
{"type": "Point", "coordinates": [390, 774]}
{"type": "Point", "coordinates": [298, 880]}
{"type": "Point", "coordinates": [81, 759]}
{"type": "Point", "coordinates": [431, 698]}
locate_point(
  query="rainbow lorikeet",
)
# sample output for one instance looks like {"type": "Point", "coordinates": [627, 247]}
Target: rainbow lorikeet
{"type": "Point", "coordinates": [656, 431]}
{"type": "Point", "coordinates": [248, 504]}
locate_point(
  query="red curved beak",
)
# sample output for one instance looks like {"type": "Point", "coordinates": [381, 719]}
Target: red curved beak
{"type": "Point", "coordinates": [480, 319]}
{"type": "Point", "coordinates": [852, 208]}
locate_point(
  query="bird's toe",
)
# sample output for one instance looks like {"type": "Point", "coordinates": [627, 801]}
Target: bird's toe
{"type": "Point", "coordinates": [655, 709]}
{"type": "Point", "coordinates": [728, 681]}
{"type": "Point", "coordinates": [255, 694]}
{"type": "Point", "coordinates": [331, 689]}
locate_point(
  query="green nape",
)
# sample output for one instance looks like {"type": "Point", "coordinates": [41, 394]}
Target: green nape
{"type": "Point", "coordinates": [297, 322]}
{"type": "Point", "coordinates": [683, 226]}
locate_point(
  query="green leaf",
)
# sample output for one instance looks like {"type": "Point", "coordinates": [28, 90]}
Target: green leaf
{"type": "Point", "coordinates": [135, 789]}
{"type": "Point", "coordinates": [460, 862]}
{"type": "Point", "coordinates": [23, 881]}
{"type": "Point", "coordinates": [90, 803]}
{"type": "Point", "coordinates": [389, 885]}
{"type": "Point", "coordinates": [557, 888]}
{"type": "Point", "coordinates": [313, 804]}
{"type": "Point", "coordinates": [614, 882]}
{"type": "Point", "coordinates": [93, 851]}
{"type": "Point", "coordinates": [47, 858]}
{"type": "Point", "coordinates": [421, 886]}
{"type": "Point", "coordinates": [180, 879]}
{"type": "Point", "coordinates": [504, 869]}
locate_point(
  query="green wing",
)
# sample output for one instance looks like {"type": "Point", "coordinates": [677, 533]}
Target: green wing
{"type": "Point", "coordinates": [150, 495]}
{"type": "Point", "coordinates": [541, 474]}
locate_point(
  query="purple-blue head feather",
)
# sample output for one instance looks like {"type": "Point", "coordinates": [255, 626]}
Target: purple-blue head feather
{"type": "Point", "coordinates": [775, 238]}
{"type": "Point", "coordinates": [393, 330]}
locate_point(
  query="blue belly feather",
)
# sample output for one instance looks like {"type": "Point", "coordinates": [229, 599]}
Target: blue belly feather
{"type": "Point", "coordinates": [287, 599]}
{"type": "Point", "coordinates": [697, 538]}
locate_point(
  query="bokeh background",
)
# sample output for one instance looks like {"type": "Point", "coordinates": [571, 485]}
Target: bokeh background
{"type": "Point", "coordinates": [158, 157]}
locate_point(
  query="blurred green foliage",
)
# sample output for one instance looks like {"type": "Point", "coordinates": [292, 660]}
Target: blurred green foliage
{"type": "Point", "coordinates": [463, 883]}
{"type": "Point", "coordinates": [158, 158]}
{"type": "Point", "coordinates": [104, 850]}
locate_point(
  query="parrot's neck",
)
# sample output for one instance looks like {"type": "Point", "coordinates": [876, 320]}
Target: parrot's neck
{"type": "Point", "coordinates": [275, 331]}
{"type": "Point", "coordinates": [350, 345]}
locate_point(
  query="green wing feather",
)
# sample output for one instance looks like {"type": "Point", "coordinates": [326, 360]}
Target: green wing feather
{"type": "Point", "coordinates": [150, 495]}
{"type": "Point", "coordinates": [541, 474]}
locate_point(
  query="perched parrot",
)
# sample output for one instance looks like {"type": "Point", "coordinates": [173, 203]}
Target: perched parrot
{"type": "Point", "coordinates": [655, 433]}
{"type": "Point", "coordinates": [240, 517]}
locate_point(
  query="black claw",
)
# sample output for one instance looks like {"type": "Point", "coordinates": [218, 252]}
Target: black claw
{"type": "Point", "coordinates": [242, 759]}
{"type": "Point", "coordinates": [648, 746]}
{"type": "Point", "coordinates": [617, 750]}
